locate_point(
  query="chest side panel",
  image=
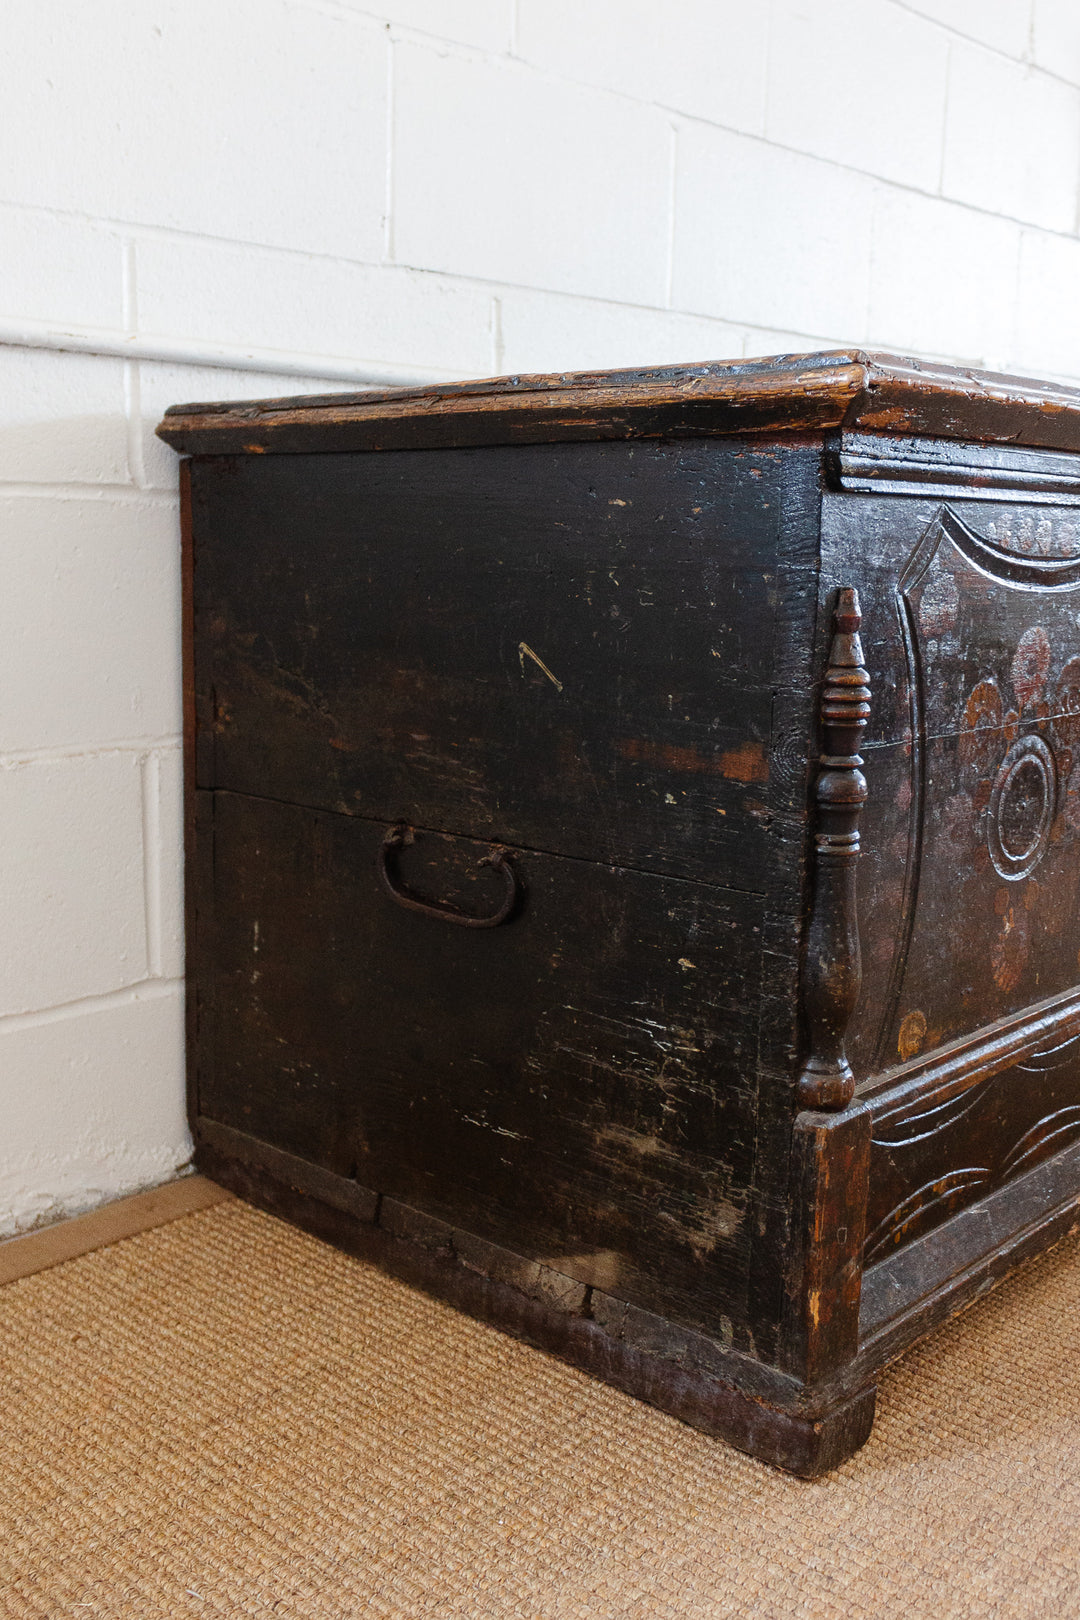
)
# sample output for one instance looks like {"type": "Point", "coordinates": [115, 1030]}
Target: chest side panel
{"type": "Point", "coordinates": [601, 657]}
{"type": "Point", "coordinates": [576, 1084]}
{"type": "Point", "coordinates": [964, 1038]}
{"type": "Point", "coordinates": [568, 647]}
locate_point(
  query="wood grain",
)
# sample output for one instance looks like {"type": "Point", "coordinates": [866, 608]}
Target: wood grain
{"type": "Point", "coordinates": [791, 393]}
{"type": "Point", "coordinates": [567, 648]}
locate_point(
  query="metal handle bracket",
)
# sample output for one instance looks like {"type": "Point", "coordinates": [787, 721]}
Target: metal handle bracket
{"type": "Point", "coordinates": [399, 837]}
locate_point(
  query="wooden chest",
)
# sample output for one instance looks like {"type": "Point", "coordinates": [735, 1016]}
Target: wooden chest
{"type": "Point", "coordinates": [532, 737]}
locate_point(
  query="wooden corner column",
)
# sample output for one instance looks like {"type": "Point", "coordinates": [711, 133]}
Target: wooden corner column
{"type": "Point", "coordinates": [831, 1147]}
{"type": "Point", "coordinates": [832, 971]}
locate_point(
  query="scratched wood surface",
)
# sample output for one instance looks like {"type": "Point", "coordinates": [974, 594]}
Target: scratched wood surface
{"type": "Point", "coordinates": [576, 1085]}
{"type": "Point", "coordinates": [549, 650]}
{"type": "Point", "coordinates": [568, 648]}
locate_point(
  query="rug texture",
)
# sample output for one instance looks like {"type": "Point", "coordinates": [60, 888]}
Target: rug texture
{"type": "Point", "coordinates": [226, 1417]}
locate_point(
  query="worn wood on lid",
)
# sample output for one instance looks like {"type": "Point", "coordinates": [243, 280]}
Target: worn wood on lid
{"type": "Point", "coordinates": [843, 389]}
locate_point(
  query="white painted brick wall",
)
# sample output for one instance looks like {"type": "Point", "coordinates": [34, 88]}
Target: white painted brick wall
{"type": "Point", "coordinates": [192, 114]}
{"type": "Point", "coordinates": [1012, 139]}
{"type": "Point", "coordinates": [72, 869]}
{"type": "Point", "coordinates": [321, 306]}
{"type": "Point", "coordinates": [1055, 38]}
{"type": "Point", "coordinates": [94, 1102]}
{"type": "Point", "coordinates": [307, 189]}
{"type": "Point", "coordinates": [822, 99]}
{"type": "Point", "coordinates": [89, 637]}
{"type": "Point", "coordinates": [501, 173]}
{"type": "Point", "coordinates": [1002, 24]}
{"type": "Point", "coordinates": [942, 277]}
{"type": "Point", "coordinates": [706, 58]}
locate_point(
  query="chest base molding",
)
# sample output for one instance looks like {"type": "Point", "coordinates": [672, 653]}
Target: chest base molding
{"type": "Point", "coordinates": [686, 1374]}
{"type": "Point", "coordinates": [804, 1429]}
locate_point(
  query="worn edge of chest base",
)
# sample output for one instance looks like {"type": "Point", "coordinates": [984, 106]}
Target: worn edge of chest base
{"type": "Point", "coordinates": [721, 1393]}
{"type": "Point", "coordinates": [804, 1426]}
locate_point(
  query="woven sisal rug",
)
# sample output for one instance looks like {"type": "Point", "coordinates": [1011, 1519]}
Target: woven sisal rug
{"type": "Point", "coordinates": [225, 1417]}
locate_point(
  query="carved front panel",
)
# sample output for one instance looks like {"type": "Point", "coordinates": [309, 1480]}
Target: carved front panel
{"type": "Point", "coordinates": [970, 883]}
{"type": "Point", "coordinates": [989, 920]}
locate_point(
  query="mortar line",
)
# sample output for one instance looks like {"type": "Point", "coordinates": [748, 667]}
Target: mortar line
{"type": "Point", "coordinates": [129, 995]}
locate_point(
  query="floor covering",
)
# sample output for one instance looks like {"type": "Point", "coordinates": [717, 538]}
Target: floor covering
{"type": "Point", "coordinates": [223, 1416]}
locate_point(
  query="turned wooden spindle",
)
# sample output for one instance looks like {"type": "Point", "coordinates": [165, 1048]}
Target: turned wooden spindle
{"type": "Point", "coordinates": [832, 970]}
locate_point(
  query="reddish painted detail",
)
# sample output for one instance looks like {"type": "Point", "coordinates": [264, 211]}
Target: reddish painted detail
{"type": "Point", "coordinates": [746, 763]}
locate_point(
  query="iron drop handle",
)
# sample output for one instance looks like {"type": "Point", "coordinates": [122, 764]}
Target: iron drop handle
{"type": "Point", "coordinates": [401, 835]}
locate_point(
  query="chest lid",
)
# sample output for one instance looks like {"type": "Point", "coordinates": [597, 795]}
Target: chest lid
{"type": "Point", "coordinates": [850, 389]}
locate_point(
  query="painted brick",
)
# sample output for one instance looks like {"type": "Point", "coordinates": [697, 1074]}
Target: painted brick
{"type": "Point", "coordinates": [163, 782]}
{"type": "Point", "coordinates": [59, 271]}
{"type": "Point", "coordinates": [486, 24]}
{"type": "Point", "coordinates": [1056, 37]}
{"type": "Point", "coordinates": [62, 418]}
{"type": "Point", "coordinates": [943, 279]}
{"type": "Point", "coordinates": [769, 238]}
{"type": "Point", "coordinates": [219, 293]}
{"type": "Point", "coordinates": [762, 341]}
{"type": "Point", "coordinates": [71, 879]}
{"type": "Point", "coordinates": [502, 174]}
{"type": "Point", "coordinates": [93, 1107]}
{"type": "Point", "coordinates": [898, 61]}
{"type": "Point", "coordinates": [548, 332]}
{"type": "Point", "coordinates": [1003, 24]}
{"type": "Point", "coordinates": [1047, 308]}
{"type": "Point", "coordinates": [256, 120]}
{"type": "Point", "coordinates": [1012, 143]}
{"type": "Point", "coordinates": [89, 621]}
{"type": "Point", "coordinates": [702, 57]}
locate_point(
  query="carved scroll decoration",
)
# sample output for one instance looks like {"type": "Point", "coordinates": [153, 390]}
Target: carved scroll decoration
{"type": "Point", "coordinates": [1028, 560]}
{"type": "Point", "coordinates": [833, 971]}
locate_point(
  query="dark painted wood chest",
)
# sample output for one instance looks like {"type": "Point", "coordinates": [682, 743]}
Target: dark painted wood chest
{"type": "Point", "coordinates": [634, 855]}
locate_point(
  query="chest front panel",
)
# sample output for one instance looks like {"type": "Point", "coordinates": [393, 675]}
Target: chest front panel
{"type": "Point", "coordinates": [970, 882]}
{"type": "Point", "coordinates": [577, 1084]}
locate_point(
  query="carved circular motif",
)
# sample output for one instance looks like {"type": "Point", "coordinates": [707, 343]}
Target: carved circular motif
{"type": "Point", "coordinates": [1021, 809]}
